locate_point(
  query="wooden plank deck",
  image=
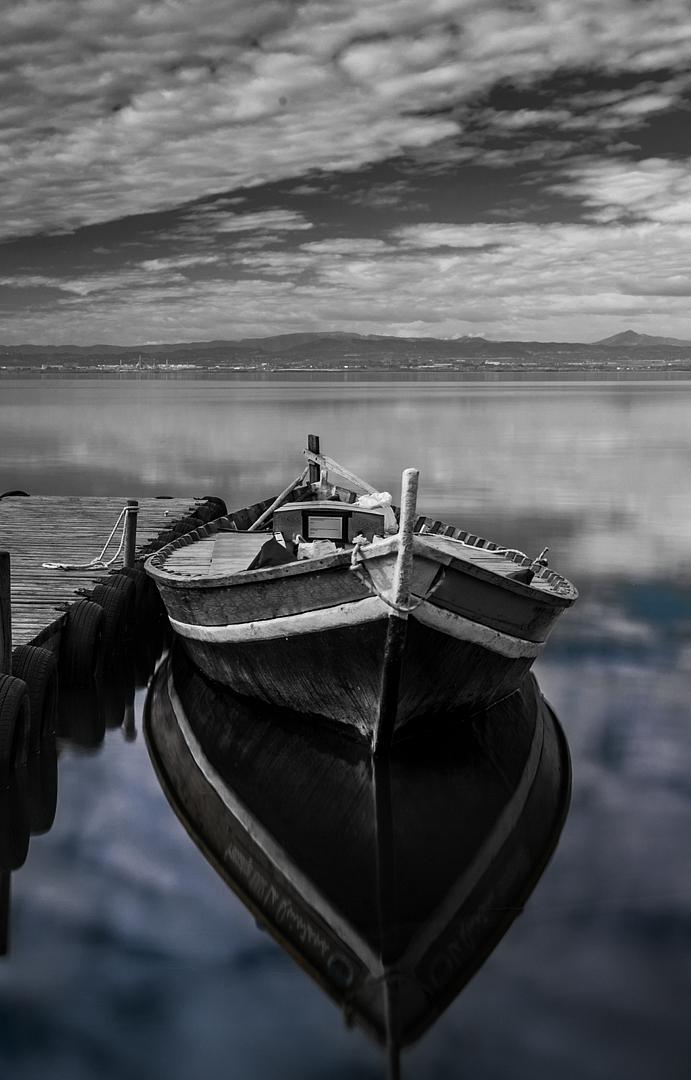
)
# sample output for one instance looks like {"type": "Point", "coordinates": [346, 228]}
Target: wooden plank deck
{"type": "Point", "coordinates": [225, 553]}
{"type": "Point", "coordinates": [485, 557]}
{"type": "Point", "coordinates": [48, 529]}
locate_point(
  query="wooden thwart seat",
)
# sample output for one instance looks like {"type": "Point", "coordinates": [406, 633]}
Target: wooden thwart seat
{"type": "Point", "coordinates": [225, 553]}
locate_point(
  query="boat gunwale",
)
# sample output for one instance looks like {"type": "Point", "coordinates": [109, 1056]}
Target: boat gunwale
{"type": "Point", "coordinates": [562, 593]}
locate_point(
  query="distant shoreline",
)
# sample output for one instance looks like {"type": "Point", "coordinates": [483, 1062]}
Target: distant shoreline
{"type": "Point", "coordinates": [350, 374]}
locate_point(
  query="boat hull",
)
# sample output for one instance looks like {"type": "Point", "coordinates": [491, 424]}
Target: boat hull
{"type": "Point", "coordinates": [336, 674]}
{"type": "Point", "coordinates": [314, 640]}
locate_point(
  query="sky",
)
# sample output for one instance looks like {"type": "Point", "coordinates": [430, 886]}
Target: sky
{"type": "Point", "coordinates": [185, 170]}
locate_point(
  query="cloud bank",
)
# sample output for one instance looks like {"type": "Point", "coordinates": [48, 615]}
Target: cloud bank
{"type": "Point", "coordinates": [113, 108]}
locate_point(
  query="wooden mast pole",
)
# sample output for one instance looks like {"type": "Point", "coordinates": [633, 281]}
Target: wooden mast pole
{"type": "Point", "coordinates": [315, 471]}
{"type": "Point", "coordinates": [397, 624]}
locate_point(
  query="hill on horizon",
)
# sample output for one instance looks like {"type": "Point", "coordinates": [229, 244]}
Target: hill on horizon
{"type": "Point", "coordinates": [344, 350]}
{"type": "Point", "coordinates": [297, 339]}
{"type": "Point", "coordinates": [629, 338]}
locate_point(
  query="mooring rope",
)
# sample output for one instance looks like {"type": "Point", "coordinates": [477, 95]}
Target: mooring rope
{"type": "Point", "coordinates": [358, 563]}
{"type": "Point", "coordinates": [99, 561]}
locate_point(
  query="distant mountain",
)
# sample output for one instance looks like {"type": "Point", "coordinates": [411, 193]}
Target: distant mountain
{"type": "Point", "coordinates": [630, 339]}
{"type": "Point", "coordinates": [352, 351]}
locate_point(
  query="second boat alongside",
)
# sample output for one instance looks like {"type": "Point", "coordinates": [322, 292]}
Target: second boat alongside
{"type": "Point", "coordinates": [391, 617]}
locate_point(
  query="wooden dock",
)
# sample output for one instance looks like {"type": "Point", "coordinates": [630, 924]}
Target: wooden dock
{"type": "Point", "coordinates": [45, 529]}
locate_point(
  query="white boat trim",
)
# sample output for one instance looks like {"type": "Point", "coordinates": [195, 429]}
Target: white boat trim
{"type": "Point", "coordinates": [267, 843]}
{"type": "Point", "coordinates": [457, 626]}
{"type": "Point", "coordinates": [368, 609]}
{"type": "Point", "coordinates": [480, 865]}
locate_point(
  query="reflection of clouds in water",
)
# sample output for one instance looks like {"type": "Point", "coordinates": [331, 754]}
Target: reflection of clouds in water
{"type": "Point", "coordinates": [131, 958]}
{"type": "Point", "coordinates": [595, 622]}
{"type": "Point", "coordinates": [627, 724]}
{"type": "Point", "coordinates": [644, 545]}
{"type": "Point", "coordinates": [643, 622]}
{"type": "Point", "coordinates": [594, 976]}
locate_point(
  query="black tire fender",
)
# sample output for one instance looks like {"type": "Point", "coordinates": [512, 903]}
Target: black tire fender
{"type": "Point", "coordinates": [117, 614]}
{"type": "Point", "coordinates": [41, 788]}
{"type": "Point", "coordinates": [80, 648]}
{"type": "Point", "coordinates": [15, 724]}
{"type": "Point", "coordinates": [38, 668]}
{"type": "Point", "coordinates": [14, 827]}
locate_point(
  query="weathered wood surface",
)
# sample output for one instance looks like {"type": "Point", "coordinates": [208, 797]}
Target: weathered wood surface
{"type": "Point", "coordinates": [253, 629]}
{"type": "Point", "coordinates": [336, 673]}
{"type": "Point", "coordinates": [68, 529]}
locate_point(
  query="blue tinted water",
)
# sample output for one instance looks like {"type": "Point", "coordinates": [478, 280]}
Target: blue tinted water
{"type": "Point", "coordinates": [130, 958]}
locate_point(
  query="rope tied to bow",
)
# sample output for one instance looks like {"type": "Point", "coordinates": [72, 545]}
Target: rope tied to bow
{"type": "Point", "coordinates": [358, 563]}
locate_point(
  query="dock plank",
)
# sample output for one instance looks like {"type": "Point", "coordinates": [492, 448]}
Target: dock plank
{"type": "Point", "coordinates": [42, 529]}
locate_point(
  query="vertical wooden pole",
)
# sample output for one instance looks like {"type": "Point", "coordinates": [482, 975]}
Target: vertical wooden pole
{"type": "Point", "coordinates": [313, 445]}
{"type": "Point", "coordinates": [403, 572]}
{"type": "Point", "coordinates": [397, 625]}
{"type": "Point", "coordinates": [5, 615]}
{"type": "Point", "coordinates": [130, 545]}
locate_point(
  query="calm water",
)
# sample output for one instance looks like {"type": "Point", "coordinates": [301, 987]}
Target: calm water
{"type": "Point", "coordinates": [130, 958]}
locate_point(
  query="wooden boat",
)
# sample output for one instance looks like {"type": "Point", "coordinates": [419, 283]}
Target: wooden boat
{"type": "Point", "coordinates": [403, 617]}
{"type": "Point", "coordinates": [389, 879]}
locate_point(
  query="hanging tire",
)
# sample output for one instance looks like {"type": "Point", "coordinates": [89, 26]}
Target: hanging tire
{"type": "Point", "coordinates": [38, 668]}
{"type": "Point", "coordinates": [143, 586]}
{"type": "Point", "coordinates": [80, 716]}
{"type": "Point", "coordinates": [124, 587]}
{"type": "Point", "coordinates": [14, 827]}
{"type": "Point", "coordinates": [123, 584]}
{"type": "Point", "coordinates": [148, 603]}
{"type": "Point", "coordinates": [80, 649]}
{"type": "Point", "coordinates": [117, 615]}
{"type": "Point", "coordinates": [15, 723]}
{"type": "Point", "coordinates": [116, 690]}
{"type": "Point", "coordinates": [140, 578]}
{"type": "Point", "coordinates": [41, 788]}
{"type": "Point", "coordinates": [216, 507]}
{"type": "Point", "coordinates": [120, 580]}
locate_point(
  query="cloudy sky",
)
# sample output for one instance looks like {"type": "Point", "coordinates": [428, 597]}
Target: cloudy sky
{"type": "Point", "coordinates": [196, 169]}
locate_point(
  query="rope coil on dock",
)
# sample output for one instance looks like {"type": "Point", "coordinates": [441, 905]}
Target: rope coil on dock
{"type": "Point", "coordinates": [99, 561]}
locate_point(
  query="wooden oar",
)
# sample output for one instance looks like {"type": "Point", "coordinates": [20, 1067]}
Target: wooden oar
{"type": "Point", "coordinates": [279, 500]}
{"type": "Point", "coordinates": [328, 464]}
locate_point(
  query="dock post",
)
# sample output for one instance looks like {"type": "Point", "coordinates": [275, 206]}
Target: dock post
{"type": "Point", "coordinates": [397, 623]}
{"type": "Point", "coordinates": [130, 533]}
{"type": "Point", "coordinates": [315, 471]}
{"type": "Point", "coordinates": [5, 615]}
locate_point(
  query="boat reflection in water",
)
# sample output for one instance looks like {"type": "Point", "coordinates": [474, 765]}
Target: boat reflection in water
{"type": "Point", "coordinates": [389, 882]}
